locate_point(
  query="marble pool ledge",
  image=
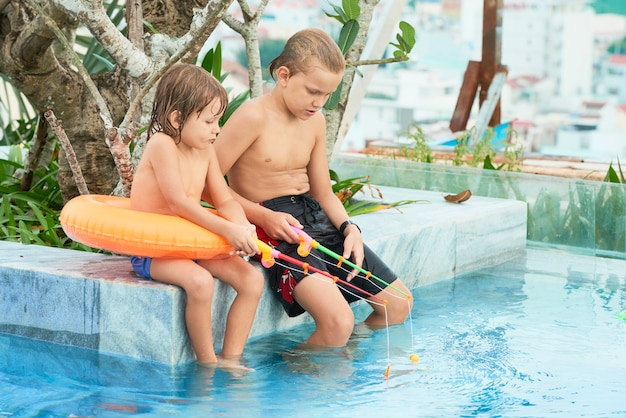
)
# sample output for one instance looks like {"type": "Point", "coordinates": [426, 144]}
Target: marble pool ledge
{"type": "Point", "coordinates": [95, 301]}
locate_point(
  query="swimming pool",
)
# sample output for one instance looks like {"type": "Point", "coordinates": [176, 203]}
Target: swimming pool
{"type": "Point", "coordinates": [534, 337]}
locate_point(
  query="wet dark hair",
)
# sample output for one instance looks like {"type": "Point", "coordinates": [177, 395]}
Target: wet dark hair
{"type": "Point", "coordinates": [185, 88]}
{"type": "Point", "coordinates": [305, 45]}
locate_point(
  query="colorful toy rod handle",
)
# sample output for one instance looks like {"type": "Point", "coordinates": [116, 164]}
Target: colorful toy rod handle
{"type": "Point", "coordinates": [268, 254]}
{"type": "Point", "coordinates": [306, 242]}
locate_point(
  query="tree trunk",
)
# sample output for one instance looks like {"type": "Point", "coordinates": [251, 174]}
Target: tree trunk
{"type": "Point", "coordinates": [100, 113]}
{"type": "Point", "coordinates": [28, 58]}
{"type": "Point", "coordinates": [44, 70]}
{"type": "Point", "coordinates": [333, 117]}
{"type": "Point", "coordinates": [374, 49]}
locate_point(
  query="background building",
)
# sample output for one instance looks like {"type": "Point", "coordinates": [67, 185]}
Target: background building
{"type": "Point", "coordinates": [560, 75]}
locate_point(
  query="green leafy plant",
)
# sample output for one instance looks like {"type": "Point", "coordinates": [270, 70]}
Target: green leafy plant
{"type": "Point", "coordinates": [572, 226]}
{"type": "Point", "coordinates": [464, 153]}
{"type": "Point", "coordinates": [15, 113]}
{"type": "Point", "coordinates": [346, 189]}
{"type": "Point", "coordinates": [32, 216]}
{"type": "Point", "coordinates": [474, 155]}
{"type": "Point", "coordinates": [612, 176]}
{"type": "Point", "coordinates": [95, 59]}
{"type": "Point", "coordinates": [405, 40]}
{"type": "Point", "coordinates": [420, 150]}
{"type": "Point", "coordinates": [347, 14]}
{"type": "Point", "coordinates": [611, 212]}
{"type": "Point", "coordinates": [212, 62]}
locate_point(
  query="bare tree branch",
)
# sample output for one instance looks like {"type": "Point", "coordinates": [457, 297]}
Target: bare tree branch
{"type": "Point", "coordinates": [378, 61]}
{"type": "Point", "coordinates": [248, 31]}
{"type": "Point", "coordinates": [34, 153]}
{"type": "Point", "coordinates": [134, 20]}
{"type": "Point", "coordinates": [123, 52]}
{"type": "Point", "coordinates": [55, 124]}
{"type": "Point", "coordinates": [233, 23]}
{"type": "Point", "coordinates": [245, 9]}
{"type": "Point", "coordinates": [34, 41]}
{"type": "Point", "coordinates": [205, 20]}
{"type": "Point", "coordinates": [3, 4]}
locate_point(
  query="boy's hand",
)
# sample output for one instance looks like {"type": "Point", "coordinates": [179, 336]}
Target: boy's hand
{"type": "Point", "coordinates": [353, 250]}
{"type": "Point", "coordinates": [278, 226]}
{"type": "Point", "coordinates": [241, 237]}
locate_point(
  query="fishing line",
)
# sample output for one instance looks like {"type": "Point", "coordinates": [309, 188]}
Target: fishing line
{"type": "Point", "coordinates": [361, 275]}
{"type": "Point", "coordinates": [268, 259]}
{"type": "Point", "coordinates": [306, 243]}
{"type": "Point", "coordinates": [305, 250]}
{"type": "Point", "coordinates": [324, 277]}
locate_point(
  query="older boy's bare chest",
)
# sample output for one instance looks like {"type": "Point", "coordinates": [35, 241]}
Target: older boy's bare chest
{"type": "Point", "coordinates": [285, 146]}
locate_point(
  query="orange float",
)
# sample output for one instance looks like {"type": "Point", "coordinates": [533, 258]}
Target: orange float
{"type": "Point", "coordinates": [108, 223]}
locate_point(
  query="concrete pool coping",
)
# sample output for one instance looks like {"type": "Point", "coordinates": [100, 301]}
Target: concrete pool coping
{"type": "Point", "coordinates": [95, 301]}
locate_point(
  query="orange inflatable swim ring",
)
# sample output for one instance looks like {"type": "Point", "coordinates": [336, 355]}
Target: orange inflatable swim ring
{"type": "Point", "coordinates": [108, 223]}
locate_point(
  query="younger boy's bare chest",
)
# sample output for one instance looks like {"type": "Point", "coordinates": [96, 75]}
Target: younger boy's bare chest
{"type": "Point", "coordinates": [193, 172]}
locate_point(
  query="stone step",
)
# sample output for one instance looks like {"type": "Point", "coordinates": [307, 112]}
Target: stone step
{"type": "Point", "coordinates": [96, 301]}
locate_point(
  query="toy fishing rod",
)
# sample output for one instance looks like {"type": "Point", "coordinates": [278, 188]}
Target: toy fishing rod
{"type": "Point", "coordinates": [306, 243]}
{"type": "Point", "coordinates": [269, 254]}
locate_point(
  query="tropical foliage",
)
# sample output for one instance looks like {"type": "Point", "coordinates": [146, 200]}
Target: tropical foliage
{"type": "Point", "coordinates": [482, 153]}
{"type": "Point", "coordinates": [610, 211]}
{"type": "Point", "coordinates": [348, 189]}
{"type": "Point", "coordinates": [32, 216]}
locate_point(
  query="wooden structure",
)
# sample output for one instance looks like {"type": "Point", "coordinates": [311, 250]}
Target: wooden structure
{"type": "Point", "coordinates": [482, 73]}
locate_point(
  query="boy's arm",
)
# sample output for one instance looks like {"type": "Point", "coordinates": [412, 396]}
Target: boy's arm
{"type": "Point", "coordinates": [236, 136]}
{"type": "Point", "coordinates": [321, 190]}
{"type": "Point", "coordinates": [275, 224]}
{"type": "Point", "coordinates": [163, 157]}
{"type": "Point", "coordinates": [319, 178]}
{"type": "Point", "coordinates": [217, 192]}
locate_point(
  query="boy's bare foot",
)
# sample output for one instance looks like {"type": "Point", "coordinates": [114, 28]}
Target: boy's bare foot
{"type": "Point", "coordinates": [235, 368]}
{"type": "Point", "coordinates": [230, 363]}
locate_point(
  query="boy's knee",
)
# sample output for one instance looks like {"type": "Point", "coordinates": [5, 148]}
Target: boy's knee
{"type": "Point", "coordinates": [340, 327]}
{"type": "Point", "coordinates": [399, 312]}
{"type": "Point", "coordinates": [200, 286]}
{"type": "Point", "coordinates": [256, 284]}
{"type": "Point", "coordinates": [344, 329]}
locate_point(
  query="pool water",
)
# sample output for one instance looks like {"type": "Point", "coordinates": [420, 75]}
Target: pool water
{"type": "Point", "coordinates": [534, 337]}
